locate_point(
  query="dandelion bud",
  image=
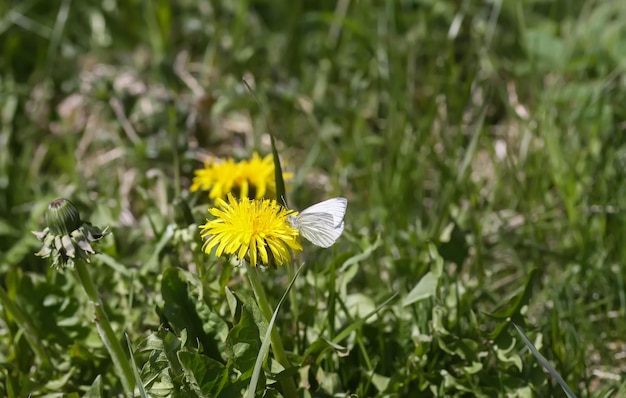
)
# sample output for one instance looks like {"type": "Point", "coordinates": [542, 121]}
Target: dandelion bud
{"type": "Point", "coordinates": [67, 237]}
{"type": "Point", "coordinates": [62, 217]}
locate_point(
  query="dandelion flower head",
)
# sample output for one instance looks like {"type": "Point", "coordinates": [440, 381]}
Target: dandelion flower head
{"type": "Point", "coordinates": [255, 230]}
{"type": "Point", "coordinates": [253, 178]}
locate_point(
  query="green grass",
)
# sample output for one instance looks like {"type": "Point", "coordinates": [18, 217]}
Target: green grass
{"type": "Point", "coordinates": [480, 144]}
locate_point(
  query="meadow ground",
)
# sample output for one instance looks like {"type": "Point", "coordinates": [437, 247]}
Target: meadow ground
{"type": "Point", "coordinates": [481, 147]}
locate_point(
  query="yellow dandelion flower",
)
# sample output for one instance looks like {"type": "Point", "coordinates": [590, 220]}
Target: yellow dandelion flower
{"type": "Point", "coordinates": [256, 230]}
{"type": "Point", "coordinates": [252, 178]}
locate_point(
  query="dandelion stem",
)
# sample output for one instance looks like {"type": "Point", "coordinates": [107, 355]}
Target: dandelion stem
{"type": "Point", "coordinates": [287, 383]}
{"type": "Point", "coordinates": [292, 271]}
{"type": "Point", "coordinates": [109, 339]}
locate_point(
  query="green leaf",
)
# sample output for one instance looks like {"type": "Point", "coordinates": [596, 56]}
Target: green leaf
{"type": "Point", "coordinates": [59, 383]}
{"type": "Point", "coordinates": [379, 381]}
{"type": "Point", "coordinates": [545, 48]}
{"type": "Point", "coordinates": [436, 260]}
{"type": "Point", "coordinates": [206, 376]}
{"type": "Point", "coordinates": [506, 351]}
{"type": "Point", "coordinates": [316, 351]}
{"type": "Point", "coordinates": [180, 311]}
{"type": "Point", "coordinates": [511, 311]}
{"type": "Point", "coordinates": [425, 288]}
{"type": "Point", "coordinates": [250, 304]}
{"type": "Point", "coordinates": [243, 343]}
{"type": "Point", "coordinates": [95, 390]}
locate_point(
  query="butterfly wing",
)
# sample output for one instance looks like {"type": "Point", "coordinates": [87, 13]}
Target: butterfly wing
{"type": "Point", "coordinates": [319, 228]}
{"type": "Point", "coordinates": [335, 207]}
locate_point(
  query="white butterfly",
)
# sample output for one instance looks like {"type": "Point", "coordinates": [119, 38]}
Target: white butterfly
{"type": "Point", "coordinates": [322, 223]}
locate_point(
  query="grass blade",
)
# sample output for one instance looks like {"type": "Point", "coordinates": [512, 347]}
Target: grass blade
{"type": "Point", "coordinates": [138, 381]}
{"type": "Point", "coordinates": [267, 339]}
{"type": "Point", "coordinates": [278, 171]}
{"type": "Point", "coordinates": [545, 363]}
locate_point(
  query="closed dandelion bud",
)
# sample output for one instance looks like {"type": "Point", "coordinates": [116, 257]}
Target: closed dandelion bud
{"type": "Point", "coordinates": [66, 237]}
{"type": "Point", "coordinates": [62, 217]}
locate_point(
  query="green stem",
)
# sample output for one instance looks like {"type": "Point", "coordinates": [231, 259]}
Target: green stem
{"type": "Point", "coordinates": [109, 339]}
{"type": "Point", "coordinates": [292, 270]}
{"type": "Point", "coordinates": [289, 387]}
{"type": "Point", "coordinates": [30, 332]}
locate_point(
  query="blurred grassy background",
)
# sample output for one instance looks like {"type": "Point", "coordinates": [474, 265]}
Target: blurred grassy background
{"type": "Point", "coordinates": [492, 130]}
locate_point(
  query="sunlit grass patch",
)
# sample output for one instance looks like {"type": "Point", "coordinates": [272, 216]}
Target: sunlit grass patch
{"type": "Point", "coordinates": [480, 146]}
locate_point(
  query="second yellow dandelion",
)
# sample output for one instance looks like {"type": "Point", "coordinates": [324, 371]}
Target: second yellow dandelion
{"type": "Point", "coordinates": [252, 179]}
